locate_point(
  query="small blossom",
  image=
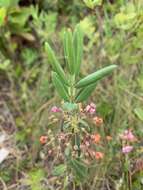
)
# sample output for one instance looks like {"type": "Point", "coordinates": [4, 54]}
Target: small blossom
{"type": "Point", "coordinates": [99, 155]}
{"type": "Point", "coordinates": [50, 152]}
{"type": "Point", "coordinates": [91, 108]}
{"type": "Point", "coordinates": [109, 138]}
{"type": "Point", "coordinates": [87, 143]}
{"type": "Point", "coordinates": [127, 149]}
{"type": "Point", "coordinates": [128, 135]}
{"type": "Point", "coordinates": [96, 138]}
{"type": "Point", "coordinates": [62, 136]}
{"type": "Point", "coordinates": [75, 147]}
{"type": "Point", "coordinates": [55, 109]}
{"type": "Point", "coordinates": [43, 139]}
{"type": "Point", "coordinates": [98, 120]}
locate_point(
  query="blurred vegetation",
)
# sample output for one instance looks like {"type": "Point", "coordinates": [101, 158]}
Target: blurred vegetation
{"type": "Point", "coordinates": [113, 35]}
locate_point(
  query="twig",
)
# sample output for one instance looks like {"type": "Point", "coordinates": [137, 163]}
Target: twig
{"type": "Point", "coordinates": [3, 183]}
{"type": "Point", "coordinates": [44, 106]}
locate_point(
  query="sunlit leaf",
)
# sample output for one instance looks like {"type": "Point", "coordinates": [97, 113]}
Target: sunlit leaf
{"type": "Point", "coordinates": [92, 78]}
{"type": "Point", "coordinates": [92, 3]}
{"type": "Point", "coordinates": [139, 113]}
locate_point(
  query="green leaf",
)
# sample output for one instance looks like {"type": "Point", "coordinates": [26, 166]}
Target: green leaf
{"type": "Point", "coordinates": [4, 65]}
{"type": "Point", "coordinates": [92, 3]}
{"type": "Point", "coordinates": [66, 125]}
{"type": "Point", "coordinates": [8, 3]}
{"type": "Point", "coordinates": [139, 113]}
{"type": "Point", "coordinates": [70, 106]}
{"type": "Point", "coordinates": [92, 78]}
{"type": "Point", "coordinates": [66, 182]}
{"type": "Point", "coordinates": [79, 168]}
{"type": "Point", "coordinates": [54, 62]}
{"type": "Point", "coordinates": [88, 26]}
{"type": "Point", "coordinates": [69, 50]}
{"type": "Point", "coordinates": [85, 93]}
{"type": "Point", "coordinates": [84, 124]}
{"type": "Point", "coordinates": [61, 89]}
{"type": "Point", "coordinates": [68, 152]}
{"type": "Point", "coordinates": [59, 170]}
{"type": "Point", "coordinates": [19, 16]}
{"type": "Point", "coordinates": [125, 21]}
{"type": "Point", "coordinates": [78, 48]}
{"type": "Point", "coordinates": [2, 15]}
{"type": "Point", "coordinates": [34, 179]}
{"type": "Point", "coordinates": [77, 140]}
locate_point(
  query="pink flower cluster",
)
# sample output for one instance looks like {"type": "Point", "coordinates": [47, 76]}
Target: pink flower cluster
{"type": "Point", "coordinates": [128, 136]}
{"type": "Point", "coordinates": [127, 149]}
{"type": "Point", "coordinates": [91, 108]}
{"type": "Point", "coordinates": [55, 109]}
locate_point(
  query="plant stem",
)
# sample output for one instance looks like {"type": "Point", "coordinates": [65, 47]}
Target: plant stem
{"type": "Point", "coordinates": [72, 89]}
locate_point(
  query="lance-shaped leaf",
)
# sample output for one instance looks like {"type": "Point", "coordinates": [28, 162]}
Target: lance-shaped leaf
{"type": "Point", "coordinates": [59, 170]}
{"type": "Point", "coordinates": [54, 62]}
{"type": "Point", "coordinates": [79, 168]}
{"type": "Point", "coordinates": [77, 142]}
{"type": "Point", "coordinates": [92, 78]}
{"type": "Point", "coordinates": [85, 93]}
{"type": "Point", "coordinates": [139, 113]}
{"type": "Point", "coordinates": [69, 50]}
{"type": "Point", "coordinates": [61, 89]}
{"type": "Point", "coordinates": [78, 48]}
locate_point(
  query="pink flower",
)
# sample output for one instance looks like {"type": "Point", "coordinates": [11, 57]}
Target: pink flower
{"type": "Point", "coordinates": [91, 108]}
{"type": "Point", "coordinates": [128, 135]}
{"type": "Point", "coordinates": [62, 136]}
{"type": "Point", "coordinates": [55, 109]}
{"type": "Point", "coordinates": [127, 149]}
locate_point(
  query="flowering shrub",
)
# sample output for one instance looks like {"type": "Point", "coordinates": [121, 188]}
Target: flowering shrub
{"type": "Point", "coordinates": [79, 143]}
{"type": "Point", "coordinates": [83, 138]}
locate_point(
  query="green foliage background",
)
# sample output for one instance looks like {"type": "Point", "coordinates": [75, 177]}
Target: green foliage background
{"type": "Point", "coordinates": [113, 35]}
